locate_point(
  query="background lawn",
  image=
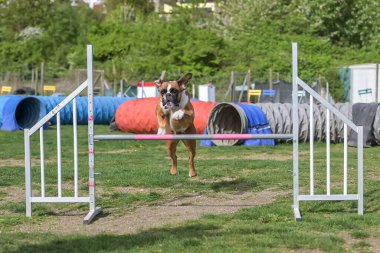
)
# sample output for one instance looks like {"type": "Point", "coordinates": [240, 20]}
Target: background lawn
{"type": "Point", "coordinates": [133, 175]}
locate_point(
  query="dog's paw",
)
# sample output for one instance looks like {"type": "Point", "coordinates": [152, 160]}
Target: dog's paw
{"type": "Point", "coordinates": [161, 131]}
{"type": "Point", "coordinates": [178, 115]}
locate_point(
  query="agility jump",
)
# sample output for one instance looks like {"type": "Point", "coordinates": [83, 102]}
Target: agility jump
{"type": "Point", "coordinates": [297, 197]}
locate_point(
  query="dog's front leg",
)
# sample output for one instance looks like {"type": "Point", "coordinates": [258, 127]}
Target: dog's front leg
{"type": "Point", "coordinates": [161, 116]}
{"type": "Point", "coordinates": [172, 148]}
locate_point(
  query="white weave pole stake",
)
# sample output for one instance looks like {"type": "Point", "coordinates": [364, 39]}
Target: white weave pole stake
{"type": "Point", "coordinates": [42, 157]}
{"type": "Point", "coordinates": [311, 139]}
{"type": "Point", "coordinates": [328, 172]}
{"type": "Point", "coordinates": [59, 160]}
{"type": "Point", "coordinates": [345, 158]}
{"type": "Point", "coordinates": [75, 135]}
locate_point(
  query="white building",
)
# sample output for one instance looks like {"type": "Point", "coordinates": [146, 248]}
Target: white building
{"type": "Point", "coordinates": [362, 83]}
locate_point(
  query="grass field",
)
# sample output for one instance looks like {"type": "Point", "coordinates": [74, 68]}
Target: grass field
{"type": "Point", "coordinates": [240, 201]}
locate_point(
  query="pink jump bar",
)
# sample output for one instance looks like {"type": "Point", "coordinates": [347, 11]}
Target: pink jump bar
{"type": "Point", "coordinates": [192, 137]}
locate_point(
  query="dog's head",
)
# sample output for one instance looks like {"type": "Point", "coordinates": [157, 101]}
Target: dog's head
{"type": "Point", "coordinates": [171, 91]}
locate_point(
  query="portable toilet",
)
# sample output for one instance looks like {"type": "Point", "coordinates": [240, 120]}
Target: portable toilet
{"type": "Point", "coordinates": [361, 83]}
{"type": "Point", "coordinates": [206, 92]}
{"type": "Point", "coordinates": [146, 89]}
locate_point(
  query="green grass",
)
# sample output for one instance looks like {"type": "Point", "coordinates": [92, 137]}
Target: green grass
{"type": "Point", "coordinates": [266, 228]}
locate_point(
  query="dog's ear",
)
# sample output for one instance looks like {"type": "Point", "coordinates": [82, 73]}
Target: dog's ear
{"type": "Point", "coordinates": [158, 83]}
{"type": "Point", "coordinates": [161, 80]}
{"type": "Point", "coordinates": [183, 81]}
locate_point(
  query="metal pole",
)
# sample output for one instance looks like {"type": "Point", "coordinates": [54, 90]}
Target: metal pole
{"type": "Point", "coordinates": [91, 183]}
{"type": "Point", "coordinates": [42, 77]}
{"type": "Point", "coordinates": [59, 161]}
{"type": "Point", "coordinates": [75, 136]}
{"type": "Point", "coordinates": [311, 140]}
{"type": "Point", "coordinates": [295, 132]}
{"type": "Point", "coordinates": [345, 158]}
{"type": "Point", "coordinates": [35, 91]}
{"type": "Point", "coordinates": [145, 137]}
{"type": "Point", "coordinates": [28, 176]}
{"type": "Point", "coordinates": [143, 95]}
{"type": "Point", "coordinates": [360, 171]}
{"type": "Point", "coordinates": [121, 88]}
{"type": "Point", "coordinates": [42, 158]}
{"type": "Point", "coordinates": [91, 157]}
{"type": "Point", "coordinates": [328, 169]}
{"type": "Point", "coordinates": [36, 69]}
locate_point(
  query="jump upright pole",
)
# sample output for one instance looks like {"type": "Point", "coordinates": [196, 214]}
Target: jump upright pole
{"type": "Point", "coordinates": [91, 157]}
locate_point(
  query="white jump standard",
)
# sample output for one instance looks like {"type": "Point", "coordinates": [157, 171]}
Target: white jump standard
{"type": "Point", "coordinates": [297, 197]}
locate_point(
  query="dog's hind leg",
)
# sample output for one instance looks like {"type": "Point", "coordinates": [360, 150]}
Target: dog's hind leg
{"type": "Point", "coordinates": [172, 148]}
{"type": "Point", "coordinates": [190, 145]}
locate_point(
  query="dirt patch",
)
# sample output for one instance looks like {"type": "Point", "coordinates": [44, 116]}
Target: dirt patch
{"type": "Point", "coordinates": [13, 194]}
{"type": "Point", "coordinates": [118, 151]}
{"type": "Point", "coordinates": [21, 163]}
{"type": "Point", "coordinates": [303, 251]}
{"type": "Point", "coordinates": [175, 210]}
{"type": "Point", "coordinates": [262, 156]}
{"type": "Point", "coordinates": [134, 190]}
{"type": "Point", "coordinates": [375, 244]}
{"type": "Point", "coordinates": [373, 241]}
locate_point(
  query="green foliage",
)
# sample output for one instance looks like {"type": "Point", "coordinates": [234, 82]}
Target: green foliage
{"type": "Point", "coordinates": [348, 23]}
{"type": "Point", "coordinates": [41, 31]}
{"type": "Point", "coordinates": [144, 49]}
{"type": "Point", "coordinates": [134, 43]}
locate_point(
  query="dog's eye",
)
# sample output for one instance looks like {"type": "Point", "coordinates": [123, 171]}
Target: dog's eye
{"type": "Point", "coordinates": [173, 91]}
{"type": "Point", "coordinates": [163, 91]}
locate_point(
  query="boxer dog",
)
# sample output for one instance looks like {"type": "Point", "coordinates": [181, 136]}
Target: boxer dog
{"type": "Point", "coordinates": [175, 115]}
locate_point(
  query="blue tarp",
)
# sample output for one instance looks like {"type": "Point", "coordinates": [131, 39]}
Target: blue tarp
{"type": "Point", "coordinates": [206, 143]}
{"type": "Point", "coordinates": [257, 124]}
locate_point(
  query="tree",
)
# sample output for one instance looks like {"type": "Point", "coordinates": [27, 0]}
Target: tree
{"type": "Point", "coordinates": [345, 22]}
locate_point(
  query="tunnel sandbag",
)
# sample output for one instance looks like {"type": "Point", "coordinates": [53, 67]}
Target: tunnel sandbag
{"type": "Point", "coordinates": [363, 114]}
{"type": "Point", "coordinates": [138, 116]}
{"type": "Point", "coordinates": [227, 118]}
{"type": "Point", "coordinates": [281, 122]}
{"type": "Point", "coordinates": [104, 109]}
{"type": "Point", "coordinates": [206, 143]}
{"type": "Point", "coordinates": [257, 123]}
{"type": "Point", "coordinates": [20, 112]}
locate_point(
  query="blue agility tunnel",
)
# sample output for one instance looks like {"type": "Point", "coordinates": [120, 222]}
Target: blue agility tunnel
{"type": "Point", "coordinates": [104, 109]}
{"type": "Point", "coordinates": [19, 112]}
{"type": "Point", "coordinates": [228, 118]}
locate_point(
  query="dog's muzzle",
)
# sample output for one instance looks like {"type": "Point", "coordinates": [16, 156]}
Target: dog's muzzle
{"type": "Point", "coordinates": [168, 100]}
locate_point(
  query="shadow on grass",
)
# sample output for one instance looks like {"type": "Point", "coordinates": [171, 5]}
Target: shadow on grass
{"type": "Point", "coordinates": [122, 243]}
{"type": "Point", "coordinates": [239, 185]}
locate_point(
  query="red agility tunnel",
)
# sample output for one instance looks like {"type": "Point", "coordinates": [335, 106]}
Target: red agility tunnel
{"type": "Point", "coordinates": [138, 116]}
